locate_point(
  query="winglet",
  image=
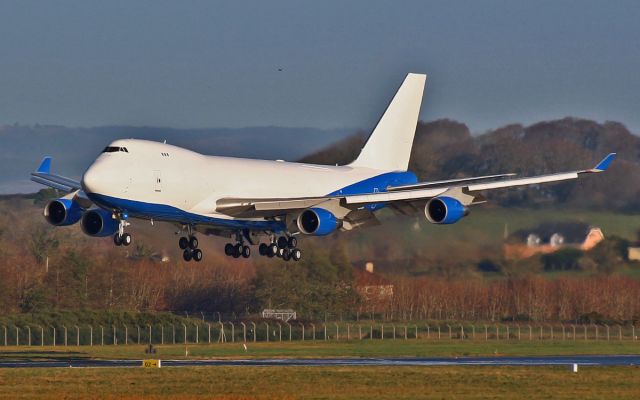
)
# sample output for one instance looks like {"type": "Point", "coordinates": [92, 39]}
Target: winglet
{"type": "Point", "coordinates": [604, 164]}
{"type": "Point", "coordinates": [45, 166]}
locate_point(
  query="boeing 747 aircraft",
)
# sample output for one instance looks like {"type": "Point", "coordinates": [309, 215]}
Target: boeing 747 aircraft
{"type": "Point", "coordinates": [267, 203]}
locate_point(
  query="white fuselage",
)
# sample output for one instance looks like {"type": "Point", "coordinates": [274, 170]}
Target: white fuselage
{"type": "Point", "coordinates": [161, 174]}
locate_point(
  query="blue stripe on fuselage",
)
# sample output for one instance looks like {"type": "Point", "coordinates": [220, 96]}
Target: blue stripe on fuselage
{"type": "Point", "coordinates": [169, 213]}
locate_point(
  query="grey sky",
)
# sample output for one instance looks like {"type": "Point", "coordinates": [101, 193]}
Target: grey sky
{"type": "Point", "coordinates": [215, 64]}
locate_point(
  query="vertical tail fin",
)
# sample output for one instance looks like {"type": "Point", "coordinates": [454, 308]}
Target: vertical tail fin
{"type": "Point", "coordinates": [389, 145]}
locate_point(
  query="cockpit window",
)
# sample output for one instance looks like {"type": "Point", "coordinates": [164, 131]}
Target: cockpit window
{"type": "Point", "coordinates": [113, 149]}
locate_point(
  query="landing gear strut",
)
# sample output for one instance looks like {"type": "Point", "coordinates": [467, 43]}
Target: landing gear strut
{"type": "Point", "coordinates": [189, 245]}
{"type": "Point", "coordinates": [239, 249]}
{"type": "Point", "coordinates": [121, 238]}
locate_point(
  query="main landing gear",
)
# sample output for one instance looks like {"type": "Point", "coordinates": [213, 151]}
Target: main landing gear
{"type": "Point", "coordinates": [284, 247]}
{"type": "Point", "coordinates": [237, 250]}
{"type": "Point", "coordinates": [190, 247]}
{"type": "Point", "coordinates": [121, 238]}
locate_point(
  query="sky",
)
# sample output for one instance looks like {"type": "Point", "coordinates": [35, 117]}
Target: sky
{"type": "Point", "coordinates": [191, 64]}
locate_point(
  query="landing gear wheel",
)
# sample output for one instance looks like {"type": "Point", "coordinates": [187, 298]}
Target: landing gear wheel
{"type": "Point", "coordinates": [193, 243]}
{"type": "Point", "coordinates": [237, 250]}
{"type": "Point", "coordinates": [282, 242]}
{"type": "Point", "coordinates": [197, 255]}
{"type": "Point", "coordinates": [293, 242]}
{"type": "Point", "coordinates": [246, 251]}
{"type": "Point", "coordinates": [286, 255]}
{"type": "Point", "coordinates": [186, 255]}
{"type": "Point", "coordinates": [126, 239]}
{"type": "Point", "coordinates": [117, 240]}
{"type": "Point", "coordinates": [183, 243]}
{"type": "Point", "coordinates": [263, 249]}
{"type": "Point", "coordinates": [228, 249]}
{"type": "Point", "coordinates": [272, 250]}
{"type": "Point", "coordinates": [281, 252]}
{"type": "Point", "coordinates": [296, 254]}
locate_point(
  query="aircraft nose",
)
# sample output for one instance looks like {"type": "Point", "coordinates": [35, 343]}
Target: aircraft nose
{"type": "Point", "coordinates": [91, 180]}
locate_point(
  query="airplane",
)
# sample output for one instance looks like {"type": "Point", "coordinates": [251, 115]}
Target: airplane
{"type": "Point", "coordinates": [268, 203]}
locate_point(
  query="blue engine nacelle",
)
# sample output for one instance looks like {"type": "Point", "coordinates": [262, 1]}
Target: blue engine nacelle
{"type": "Point", "coordinates": [62, 212]}
{"type": "Point", "coordinates": [98, 222]}
{"type": "Point", "coordinates": [445, 210]}
{"type": "Point", "coordinates": [317, 221]}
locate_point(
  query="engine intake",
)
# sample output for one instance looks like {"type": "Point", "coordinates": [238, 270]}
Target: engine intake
{"type": "Point", "coordinates": [445, 210]}
{"type": "Point", "coordinates": [98, 223]}
{"type": "Point", "coordinates": [62, 212]}
{"type": "Point", "coordinates": [317, 221]}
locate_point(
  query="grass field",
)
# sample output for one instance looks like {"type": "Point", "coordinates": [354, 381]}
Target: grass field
{"type": "Point", "coordinates": [365, 348]}
{"type": "Point", "coordinates": [323, 383]}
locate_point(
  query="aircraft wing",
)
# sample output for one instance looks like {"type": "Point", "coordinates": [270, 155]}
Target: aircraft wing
{"type": "Point", "coordinates": [468, 188]}
{"type": "Point", "coordinates": [43, 176]}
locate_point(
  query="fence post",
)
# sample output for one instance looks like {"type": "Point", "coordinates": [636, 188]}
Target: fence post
{"type": "Point", "coordinates": [585, 332]}
{"type": "Point", "coordinates": [223, 335]}
{"type": "Point", "coordinates": [428, 332]}
{"type": "Point", "coordinates": [325, 331]}
{"type": "Point", "coordinates": [41, 336]}
{"type": "Point", "coordinates": [302, 326]}
{"type": "Point", "coordinates": [254, 331]}
{"type": "Point", "coordinates": [633, 331]}
{"type": "Point", "coordinates": [382, 331]}
{"type": "Point", "coordinates": [290, 332]}
{"type": "Point", "coordinates": [461, 332]}
{"type": "Point", "coordinates": [370, 332]}
{"type": "Point", "coordinates": [267, 324]}
{"type": "Point", "coordinates": [541, 332]}
{"type": "Point", "coordinates": [244, 331]}
{"type": "Point", "coordinates": [29, 335]}
{"type": "Point", "coordinates": [486, 333]}
{"type": "Point", "coordinates": [198, 332]}
{"type": "Point", "coordinates": [65, 335]}
{"type": "Point", "coordinates": [115, 335]}
{"type": "Point", "coordinates": [439, 336]}
{"type": "Point", "coordinates": [173, 330]}
{"type": "Point", "coordinates": [416, 328]}
{"type": "Point", "coordinates": [607, 326]}
{"type": "Point", "coordinates": [77, 336]}
{"type": "Point", "coordinates": [150, 334]}
{"type": "Point", "coordinates": [17, 336]}
{"type": "Point", "coordinates": [405, 332]}
{"type": "Point", "coordinates": [473, 331]}
{"type": "Point", "coordinates": [233, 332]}
{"type": "Point", "coordinates": [337, 331]}
{"type": "Point", "coordinates": [519, 333]}
{"type": "Point", "coordinates": [508, 336]}
{"type": "Point", "coordinates": [90, 335]}
{"type": "Point", "coordinates": [497, 332]}
{"type": "Point", "coordinates": [5, 336]}
{"type": "Point", "coordinates": [619, 332]}
{"type": "Point", "coordinates": [551, 327]}
{"type": "Point", "coordinates": [348, 332]}
{"type": "Point", "coordinates": [185, 332]}
{"type": "Point", "coordinates": [162, 334]}
{"type": "Point", "coordinates": [450, 335]}
{"type": "Point", "coordinates": [208, 333]}
{"type": "Point", "coordinates": [126, 335]}
{"type": "Point", "coordinates": [313, 327]}
{"type": "Point", "coordinates": [573, 328]}
{"type": "Point", "coordinates": [563, 332]}
{"type": "Point", "coordinates": [101, 335]}
{"type": "Point", "coordinates": [54, 336]}
{"type": "Point", "coordinates": [280, 331]}
{"type": "Point", "coordinates": [530, 332]}
{"type": "Point", "coordinates": [596, 332]}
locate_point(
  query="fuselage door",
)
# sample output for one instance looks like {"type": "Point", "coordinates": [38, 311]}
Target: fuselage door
{"type": "Point", "coordinates": [158, 181]}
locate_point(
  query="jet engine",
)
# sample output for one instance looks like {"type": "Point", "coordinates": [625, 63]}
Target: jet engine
{"type": "Point", "coordinates": [62, 212]}
{"type": "Point", "coordinates": [98, 222]}
{"type": "Point", "coordinates": [445, 210]}
{"type": "Point", "coordinates": [317, 221]}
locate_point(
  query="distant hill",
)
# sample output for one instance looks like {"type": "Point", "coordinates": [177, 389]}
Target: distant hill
{"type": "Point", "coordinates": [73, 149]}
{"type": "Point", "coordinates": [446, 149]}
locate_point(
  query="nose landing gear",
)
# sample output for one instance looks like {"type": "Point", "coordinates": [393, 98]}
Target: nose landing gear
{"type": "Point", "coordinates": [121, 238]}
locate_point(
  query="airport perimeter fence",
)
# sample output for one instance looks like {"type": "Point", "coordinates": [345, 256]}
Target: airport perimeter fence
{"type": "Point", "coordinates": [202, 332]}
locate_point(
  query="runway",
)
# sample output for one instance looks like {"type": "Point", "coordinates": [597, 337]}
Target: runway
{"type": "Point", "coordinates": [598, 360]}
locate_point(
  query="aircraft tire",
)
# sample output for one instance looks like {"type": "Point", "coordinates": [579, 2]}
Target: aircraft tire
{"type": "Point", "coordinates": [263, 249]}
{"type": "Point", "coordinates": [237, 250]}
{"type": "Point", "coordinates": [183, 243]}
{"type": "Point", "coordinates": [186, 255]}
{"type": "Point", "coordinates": [286, 255]}
{"type": "Point", "coordinates": [282, 242]}
{"type": "Point", "coordinates": [292, 242]}
{"type": "Point", "coordinates": [272, 250]}
{"type": "Point", "coordinates": [117, 240]}
{"type": "Point", "coordinates": [193, 242]}
{"type": "Point", "coordinates": [197, 255]}
{"type": "Point", "coordinates": [228, 249]}
{"type": "Point", "coordinates": [246, 251]}
{"type": "Point", "coordinates": [296, 254]}
{"type": "Point", "coordinates": [126, 239]}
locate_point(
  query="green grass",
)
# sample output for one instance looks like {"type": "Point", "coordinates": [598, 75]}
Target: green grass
{"type": "Point", "coordinates": [365, 348]}
{"type": "Point", "coordinates": [323, 383]}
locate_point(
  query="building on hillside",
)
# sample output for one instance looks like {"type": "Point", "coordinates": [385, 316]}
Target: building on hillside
{"type": "Point", "coordinates": [374, 289]}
